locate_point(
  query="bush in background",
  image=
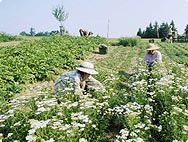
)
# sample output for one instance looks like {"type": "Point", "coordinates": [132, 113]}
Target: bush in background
{"type": "Point", "coordinates": [5, 37]}
{"type": "Point", "coordinates": [129, 41]}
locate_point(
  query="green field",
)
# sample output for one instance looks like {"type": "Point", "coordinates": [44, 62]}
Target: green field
{"type": "Point", "coordinates": [137, 106]}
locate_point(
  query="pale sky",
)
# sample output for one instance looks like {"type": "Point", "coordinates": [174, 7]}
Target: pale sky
{"type": "Point", "coordinates": [124, 17]}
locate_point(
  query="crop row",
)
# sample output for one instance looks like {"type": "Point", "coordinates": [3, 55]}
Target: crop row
{"type": "Point", "coordinates": [41, 60]}
{"type": "Point", "coordinates": [138, 105]}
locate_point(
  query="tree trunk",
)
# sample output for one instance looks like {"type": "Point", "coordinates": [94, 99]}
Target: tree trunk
{"type": "Point", "coordinates": [61, 30]}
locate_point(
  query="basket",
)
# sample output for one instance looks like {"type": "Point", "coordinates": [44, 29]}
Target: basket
{"type": "Point", "coordinates": [103, 49]}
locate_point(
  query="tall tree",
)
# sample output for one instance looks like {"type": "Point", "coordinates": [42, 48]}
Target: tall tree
{"type": "Point", "coordinates": [60, 14]}
{"type": "Point", "coordinates": [156, 30]}
{"type": "Point", "coordinates": [139, 33]}
{"type": "Point", "coordinates": [163, 30]}
{"type": "Point", "coordinates": [173, 26]}
{"type": "Point", "coordinates": [186, 30]}
{"type": "Point", "coordinates": [32, 31]}
{"type": "Point", "coordinates": [23, 33]}
{"type": "Point", "coordinates": [149, 31]}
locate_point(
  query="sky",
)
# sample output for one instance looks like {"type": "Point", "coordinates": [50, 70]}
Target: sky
{"type": "Point", "coordinates": [106, 18]}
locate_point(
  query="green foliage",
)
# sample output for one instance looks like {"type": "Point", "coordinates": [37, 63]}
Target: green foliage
{"type": "Point", "coordinates": [129, 41]}
{"type": "Point", "coordinates": [60, 14]}
{"type": "Point", "coordinates": [147, 104]}
{"type": "Point", "coordinates": [5, 37]}
{"type": "Point", "coordinates": [14, 125]}
{"type": "Point", "coordinates": [41, 60]}
{"type": "Point", "coordinates": [156, 30]}
{"type": "Point", "coordinates": [186, 30]}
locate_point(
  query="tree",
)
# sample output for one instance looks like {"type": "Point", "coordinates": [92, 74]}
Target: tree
{"type": "Point", "coordinates": [149, 33]}
{"type": "Point", "coordinates": [139, 33]}
{"type": "Point", "coordinates": [163, 30]}
{"type": "Point", "coordinates": [42, 34]}
{"type": "Point", "coordinates": [32, 31]}
{"type": "Point", "coordinates": [23, 33]}
{"type": "Point", "coordinates": [156, 30]}
{"type": "Point", "coordinates": [173, 26]}
{"type": "Point", "coordinates": [186, 30]}
{"type": "Point", "coordinates": [60, 14]}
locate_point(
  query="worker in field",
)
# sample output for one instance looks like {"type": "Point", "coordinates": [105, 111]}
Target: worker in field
{"type": "Point", "coordinates": [153, 55]}
{"type": "Point", "coordinates": [170, 34]}
{"type": "Point", "coordinates": [78, 81]}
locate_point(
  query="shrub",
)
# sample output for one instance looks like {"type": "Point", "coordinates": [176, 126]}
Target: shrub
{"type": "Point", "coordinates": [5, 38]}
{"type": "Point", "coordinates": [130, 41]}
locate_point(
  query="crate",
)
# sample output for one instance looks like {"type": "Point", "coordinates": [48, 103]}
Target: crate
{"type": "Point", "coordinates": [103, 49]}
{"type": "Point", "coordinates": [151, 41]}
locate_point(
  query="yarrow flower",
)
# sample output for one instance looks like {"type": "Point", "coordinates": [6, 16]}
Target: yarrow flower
{"type": "Point", "coordinates": [31, 138]}
{"type": "Point", "coordinates": [185, 127]}
{"type": "Point", "coordinates": [178, 109]}
{"type": "Point", "coordinates": [82, 140]}
{"type": "Point", "coordinates": [139, 140]}
{"type": "Point", "coordinates": [50, 140]}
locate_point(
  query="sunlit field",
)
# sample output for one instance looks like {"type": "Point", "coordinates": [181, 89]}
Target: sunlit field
{"type": "Point", "coordinates": [139, 105]}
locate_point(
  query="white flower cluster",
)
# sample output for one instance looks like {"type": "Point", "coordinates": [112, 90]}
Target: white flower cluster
{"type": "Point", "coordinates": [35, 124]}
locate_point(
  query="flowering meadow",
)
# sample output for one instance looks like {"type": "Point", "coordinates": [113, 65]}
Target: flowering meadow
{"type": "Point", "coordinates": [139, 104]}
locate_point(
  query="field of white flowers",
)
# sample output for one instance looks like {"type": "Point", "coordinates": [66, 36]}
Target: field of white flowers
{"type": "Point", "coordinates": [138, 105]}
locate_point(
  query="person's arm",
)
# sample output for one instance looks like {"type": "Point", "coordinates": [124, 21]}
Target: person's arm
{"type": "Point", "coordinates": [77, 87]}
{"type": "Point", "coordinates": [94, 84]}
{"type": "Point", "coordinates": [146, 59]}
{"type": "Point", "coordinates": [159, 57]}
{"type": "Point", "coordinates": [56, 86]}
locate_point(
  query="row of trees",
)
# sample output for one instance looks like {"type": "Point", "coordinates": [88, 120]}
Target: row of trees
{"type": "Point", "coordinates": [159, 31]}
{"type": "Point", "coordinates": [60, 15]}
{"type": "Point", "coordinates": [47, 33]}
{"type": "Point", "coordinates": [156, 30]}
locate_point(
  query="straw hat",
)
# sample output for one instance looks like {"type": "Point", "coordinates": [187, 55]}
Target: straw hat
{"type": "Point", "coordinates": [152, 46]}
{"type": "Point", "coordinates": [87, 67]}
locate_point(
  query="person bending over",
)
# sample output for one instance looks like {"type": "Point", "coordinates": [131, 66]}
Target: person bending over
{"type": "Point", "coordinates": [153, 55]}
{"type": "Point", "coordinates": [78, 80]}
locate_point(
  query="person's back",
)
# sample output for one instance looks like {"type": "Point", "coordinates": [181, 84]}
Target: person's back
{"type": "Point", "coordinates": [68, 82]}
{"type": "Point", "coordinates": [78, 80]}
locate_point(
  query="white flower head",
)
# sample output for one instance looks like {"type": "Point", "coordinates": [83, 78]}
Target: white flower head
{"type": "Point", "coordinates": [82, 140]}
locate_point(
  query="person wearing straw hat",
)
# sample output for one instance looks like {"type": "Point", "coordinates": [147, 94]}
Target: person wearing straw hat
{"type": "Point", "coordinates": [152, 55]}
{"type": "Point", "coordinates": [78, 80]}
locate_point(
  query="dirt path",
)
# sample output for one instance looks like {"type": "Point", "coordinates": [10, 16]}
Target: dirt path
{"type": "Point", "coordinates": [95, 56]}
{"type": "Point", "coordinates": [134, 61]}
{"type": "Point", "coordinates": [11, 43]}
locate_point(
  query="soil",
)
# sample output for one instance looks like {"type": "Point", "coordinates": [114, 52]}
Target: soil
{"type": "Point", "coordinates": [11, 43]}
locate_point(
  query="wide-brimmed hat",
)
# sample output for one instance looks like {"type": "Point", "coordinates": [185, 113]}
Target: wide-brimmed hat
{"type": "Point", "coordinates": [152, 47]}
{"type": "Point", "coordinates": [87, 67]}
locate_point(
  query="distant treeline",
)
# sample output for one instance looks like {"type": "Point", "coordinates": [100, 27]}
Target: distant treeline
{"type": "Point", "coordinates": [158, 31]}
{"type": "Point", "coordinates": [47, 33]}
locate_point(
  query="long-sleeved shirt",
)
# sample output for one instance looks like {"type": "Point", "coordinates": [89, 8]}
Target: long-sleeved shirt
{"type": "Point", "coordinates": [156, 57]}
{"type": "Point", "coordinates": [73, 82]}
